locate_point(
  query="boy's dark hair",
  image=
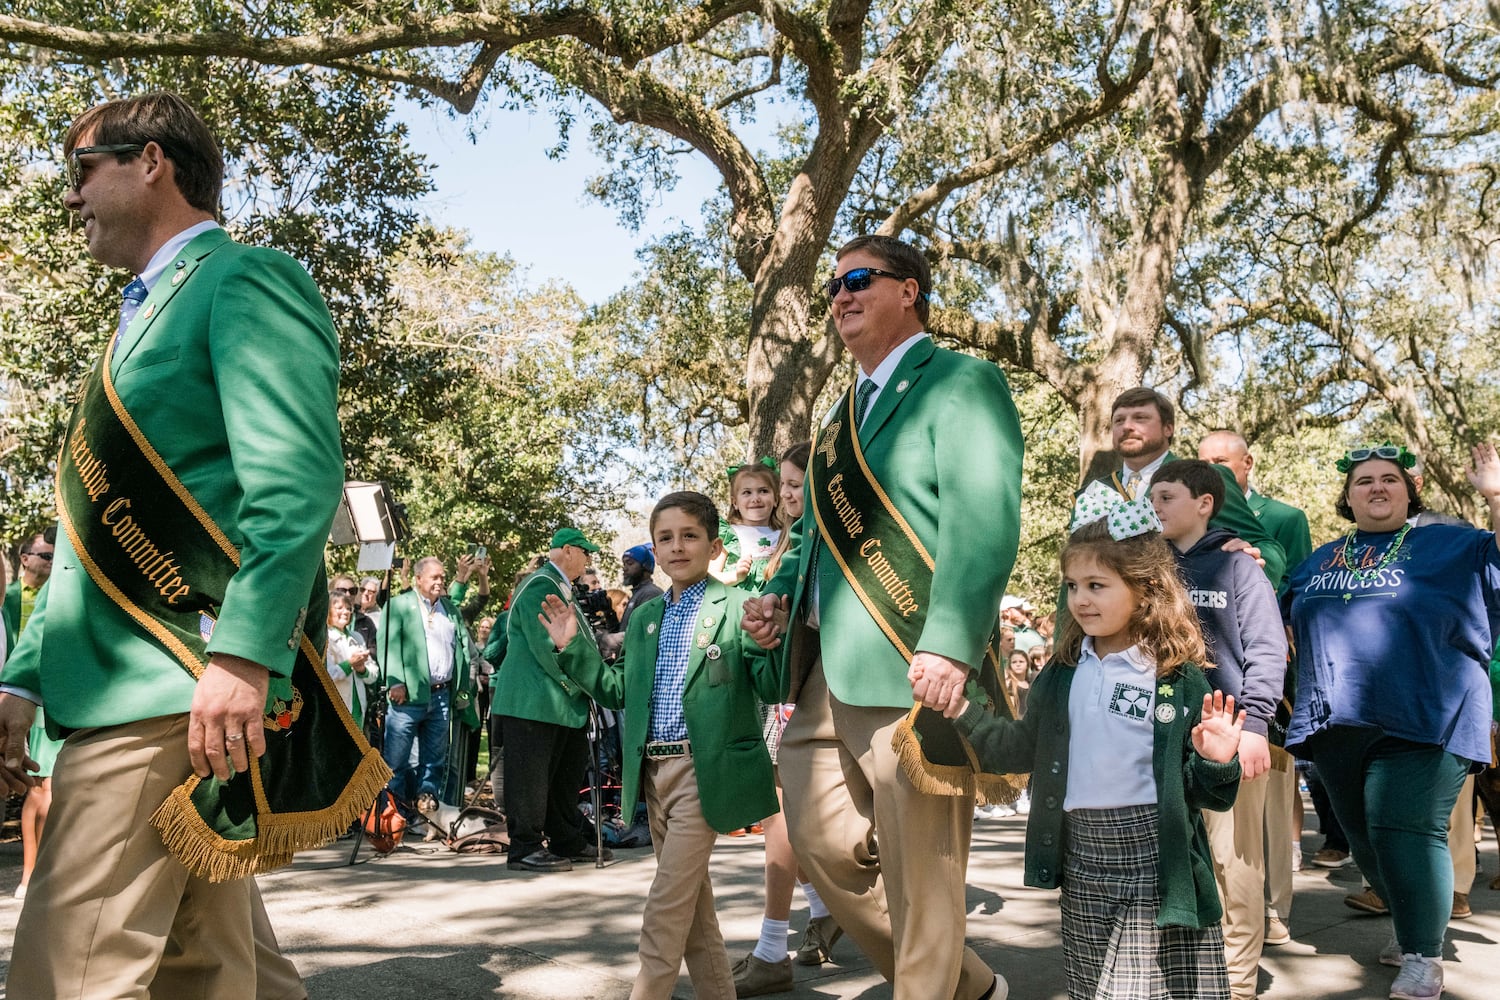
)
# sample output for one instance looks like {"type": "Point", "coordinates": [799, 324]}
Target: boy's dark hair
{"type": "Point", "coordinates": [901, 257]}
{"type": "Point", "coordinates": [695, 505]}
{"type": "Point", "coordinates": [1142, 396]}
{"type": "Point", "coordinates": [174, 125]}
{"type": "Point", "coordinates": [1198, 476]}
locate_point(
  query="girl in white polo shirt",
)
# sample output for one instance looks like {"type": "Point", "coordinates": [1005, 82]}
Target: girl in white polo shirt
{"type": "Point", "coordinates": [1125, 742]}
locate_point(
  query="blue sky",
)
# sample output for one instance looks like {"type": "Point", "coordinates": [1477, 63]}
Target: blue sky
{"type": "Point", "coordinates": [514, 200]}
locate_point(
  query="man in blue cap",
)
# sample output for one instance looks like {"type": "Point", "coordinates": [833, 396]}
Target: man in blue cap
{"type": "Point", "coordinates": [636, 567]}
{"type": "Point", "coordinates": [543, 714]}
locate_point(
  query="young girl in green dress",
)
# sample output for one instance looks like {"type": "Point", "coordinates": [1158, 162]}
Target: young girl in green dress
{"type": "Point", "coordinates": [753, 528]}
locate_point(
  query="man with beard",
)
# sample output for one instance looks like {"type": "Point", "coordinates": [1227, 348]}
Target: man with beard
{"type": "Point", "coordinates": [636, 567]}
{"type": "Point", "coordinates": [1142, 423]}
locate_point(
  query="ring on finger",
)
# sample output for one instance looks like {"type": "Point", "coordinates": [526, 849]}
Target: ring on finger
{"type": "Point", "coordinates": [235, 738]}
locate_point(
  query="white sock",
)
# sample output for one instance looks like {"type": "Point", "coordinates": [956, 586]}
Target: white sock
{"type": "Point", "coordinates": [772, 944]}
{"type": "Point", "coordinates": [814, 901]}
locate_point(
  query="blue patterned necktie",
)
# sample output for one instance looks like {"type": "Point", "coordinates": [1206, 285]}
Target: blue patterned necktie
{"type": "Point", "coordinates": [130, 303]}
{"type": "Point", "coordinates": [862, 397]}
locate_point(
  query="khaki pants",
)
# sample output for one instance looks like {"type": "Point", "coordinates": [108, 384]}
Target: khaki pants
{"type": "Point", "coordinates": [679, 921]}
{"type": "Point", "coordinates": [1281, 795]}
{"type": "Point", "coordinates": [1237, 841]}
{"type": "Point", "coordinates": [844, 791]}
{"type": "Point", "coordinates": [1461, 838]}
{"type": "Point", "coordinates": [109, 913]}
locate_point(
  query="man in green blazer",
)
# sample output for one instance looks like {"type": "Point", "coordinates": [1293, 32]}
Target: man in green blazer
{"type": "Point", "coordinates": [1142, 424]}
{"type": "Point", "coordinates": [36, 566]}
{"type": "Point", "coordinates": [428, 682]}
{"type": "Point", "coordinates": [940, 434]}
{"type": "Point", "coordinates": [543, 714]}
{"type": "Point", "coordinates": [229, 369]}
{"type": "Point", "coordinates": [1285, 523]}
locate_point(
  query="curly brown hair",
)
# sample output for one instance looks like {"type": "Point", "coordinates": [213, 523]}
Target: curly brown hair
{"type": "Point", "coordinates": [1164, 624]}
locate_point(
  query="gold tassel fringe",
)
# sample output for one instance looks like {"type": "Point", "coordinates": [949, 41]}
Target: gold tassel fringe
{"type": "Point", "coordinates": [951, 779]}
{"type": "Point", "coordinates": [278, 837]}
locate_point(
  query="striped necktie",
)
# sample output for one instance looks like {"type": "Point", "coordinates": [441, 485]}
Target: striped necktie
{"type": "Point", "coordinates": [862, 397]}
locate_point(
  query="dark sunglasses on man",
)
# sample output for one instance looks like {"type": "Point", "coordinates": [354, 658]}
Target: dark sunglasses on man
{"type": "Point", "coordinates": [857, 279]}
{"type": "Point", "coordinates": [75, 165]}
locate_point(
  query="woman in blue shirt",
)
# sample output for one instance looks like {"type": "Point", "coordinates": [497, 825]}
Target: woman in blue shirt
{"type": "Point", "coordinates": [1394, 627]}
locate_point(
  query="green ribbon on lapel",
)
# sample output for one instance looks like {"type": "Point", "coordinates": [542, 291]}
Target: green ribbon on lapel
{"type": "Point", "coordinates": [890, 570]}
{"type": "Point", "coordinates": [153, 550]}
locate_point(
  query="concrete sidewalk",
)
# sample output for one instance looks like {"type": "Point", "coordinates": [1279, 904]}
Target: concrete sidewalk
{"type": "Point", "coordinates": [426, 924]}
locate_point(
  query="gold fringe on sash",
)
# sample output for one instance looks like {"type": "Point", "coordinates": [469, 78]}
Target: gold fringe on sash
{"type": "Point", "coordinates": [278, 836]}
{"type": "Point", "coordinates": [931, 778]}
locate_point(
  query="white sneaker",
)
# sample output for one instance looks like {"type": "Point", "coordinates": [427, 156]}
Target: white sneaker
{"type": "Point", "coordinates": [1296, 856]}
{"type": "Point", "coordinates": [1000, 990]}
{"type": "Point", "coordinates": [1421, 978]}
{"type": "Point", "coordinates": [1023, 805]}
{"type": "Point", "coordinates": [1391, 953]}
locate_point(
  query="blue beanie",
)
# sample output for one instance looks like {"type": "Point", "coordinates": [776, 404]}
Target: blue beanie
{"type": "Point", "coordinates": [644, 555]}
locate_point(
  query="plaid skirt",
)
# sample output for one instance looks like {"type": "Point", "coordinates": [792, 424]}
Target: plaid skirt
{"type": "Point", "coordinates": [1112, 948]}
{"type": "Point", "coordinates": [773, 720]}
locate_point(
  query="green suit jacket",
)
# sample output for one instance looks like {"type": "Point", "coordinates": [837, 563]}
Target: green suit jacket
{"type": "Point", "coordinates": [230, 368]}
{"type": "Point", "coordinates": [943, 440]}
{"type": "Point", "coordinates": [1287, 525]}
{"type": "Point", "coordinates": [530, 683]}
{"type": "Point", "coordinates": [721, 700]}
{"type": "Point", "coordinates": [407, 656]}
{"type": "Point", "coordinates": [12, 613]}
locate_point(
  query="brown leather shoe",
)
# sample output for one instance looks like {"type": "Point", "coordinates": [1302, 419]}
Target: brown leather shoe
{"type": "Point", "coordinates": [818, 940]}
{"type": "Point", "coordinates": [755, 977]}
{"type": "Point", "coordinates": [1366, 901]}
{"type": "Point", "coordinates": [1461, 910]}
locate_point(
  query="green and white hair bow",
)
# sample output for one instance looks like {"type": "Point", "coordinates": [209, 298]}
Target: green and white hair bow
{"type": "Point", "coordinates": [1125, 518]}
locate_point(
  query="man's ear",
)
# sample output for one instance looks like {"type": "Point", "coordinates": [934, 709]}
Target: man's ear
{"type": "Point", "coordinates": [158, 165]}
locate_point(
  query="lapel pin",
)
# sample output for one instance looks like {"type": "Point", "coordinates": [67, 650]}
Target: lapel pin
{"type": "Point", "coordinates": [713, 652]}
{"type": "Point", "coordinates": [708, 622]}
{"type": "Point", "coordinates": [177, 278]}
{"type": "Point", "coordinates": [150, 311]}
{"type": "Point", "coordinates": [902, 385]}
{"type": "Point", "coordinates": [703, 642]}
{"type": "Point", "coordinates": [651, 628]}
{"type": "Point", "coordinates": [1165, 713]}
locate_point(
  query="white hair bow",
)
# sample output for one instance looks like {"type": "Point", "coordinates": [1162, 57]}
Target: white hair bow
{"type": "Point", "coordinates": [1126, 518]}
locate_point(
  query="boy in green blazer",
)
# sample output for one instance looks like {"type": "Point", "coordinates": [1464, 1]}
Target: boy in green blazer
{"type": "Point", "coordinates": [689, 682]}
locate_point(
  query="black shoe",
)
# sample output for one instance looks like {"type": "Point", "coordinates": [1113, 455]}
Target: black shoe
{"type": "Point", "coordinates": [540, 861]}
{"type": "Point", "coordinates": [592, 853]}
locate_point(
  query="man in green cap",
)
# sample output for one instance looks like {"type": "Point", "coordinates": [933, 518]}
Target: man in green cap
{"type": "Point", "coordinates": [543, 714]}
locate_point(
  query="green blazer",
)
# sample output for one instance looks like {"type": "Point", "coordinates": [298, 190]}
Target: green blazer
{"type": "Point", "coordinates": [231, 370]}
{"type": "Point", "coordinates": [530, 682]}
{"type": "Point", "coordinates": [1287, 525]}
{"type": "Point", "coordinates": [407, 656]}
{"type": "Point", "coordinates": [1185, 784]}
{"type": "Point", "coordinates": [944, 441]}
{"type": "Point", "coordinates": [11, 613]}
{"type": "Point", "coordinates": [721, 701]}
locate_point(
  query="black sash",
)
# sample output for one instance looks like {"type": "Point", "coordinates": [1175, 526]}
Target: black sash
{"type": "Point", "coordinates": [153, 551]}
{"type": "Point", "coordinates": [890, 570]}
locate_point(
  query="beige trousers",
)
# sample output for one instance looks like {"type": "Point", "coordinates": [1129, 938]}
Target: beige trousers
{"type": "Point", "coordinates": [844, 791]}
{"type": "Point", "coordinates": [679, 921]}
{"type": "Point", "coordinates": [1237, 841]}
{"type": "Point", "coordinates": [1281, 833]}
{"type": "Point", "coordinates": [1461, 838]}
{"type": "Point", "coordinates": [109, 913]}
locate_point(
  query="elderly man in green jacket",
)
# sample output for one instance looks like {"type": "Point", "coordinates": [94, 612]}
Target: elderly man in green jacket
{"type": "Point", "coordinates": [543, 713]}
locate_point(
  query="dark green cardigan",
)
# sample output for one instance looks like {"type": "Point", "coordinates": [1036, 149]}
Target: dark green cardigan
{"type": "Point", "coordinates": [1039, 744]}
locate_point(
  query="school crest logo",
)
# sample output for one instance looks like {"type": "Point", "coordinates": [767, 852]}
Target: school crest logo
{"type": "Point", "coordinates": [1130, 701]}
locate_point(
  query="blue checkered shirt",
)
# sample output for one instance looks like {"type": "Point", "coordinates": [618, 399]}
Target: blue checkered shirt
{"type": "Point", "coordinates": [674, 646]}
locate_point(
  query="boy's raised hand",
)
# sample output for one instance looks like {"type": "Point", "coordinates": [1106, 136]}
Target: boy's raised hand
{"type": "Point", "coordinates": [559, 620]}
{"type": "Point", "coordinates": [1217, 734]}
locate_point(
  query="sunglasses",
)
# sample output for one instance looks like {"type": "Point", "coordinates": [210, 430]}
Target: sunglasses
{"type": "Point", "coordinates": [345, 590]}
{"type": "Point", "coordinates": [1386, 451]}
{"type": "Point", "coordinates": [75, 166]}
{"type": "Point", "coordinates": [40, 555]}
{"type": "Point", "coordinates": [857, 279]}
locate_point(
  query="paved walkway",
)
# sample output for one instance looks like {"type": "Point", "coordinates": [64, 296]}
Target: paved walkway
{"type": "Point", "coordinates": [426, 924]}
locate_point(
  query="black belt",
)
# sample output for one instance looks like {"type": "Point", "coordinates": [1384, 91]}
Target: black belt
{"type": "Point", "coordinates": [438, 687]}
